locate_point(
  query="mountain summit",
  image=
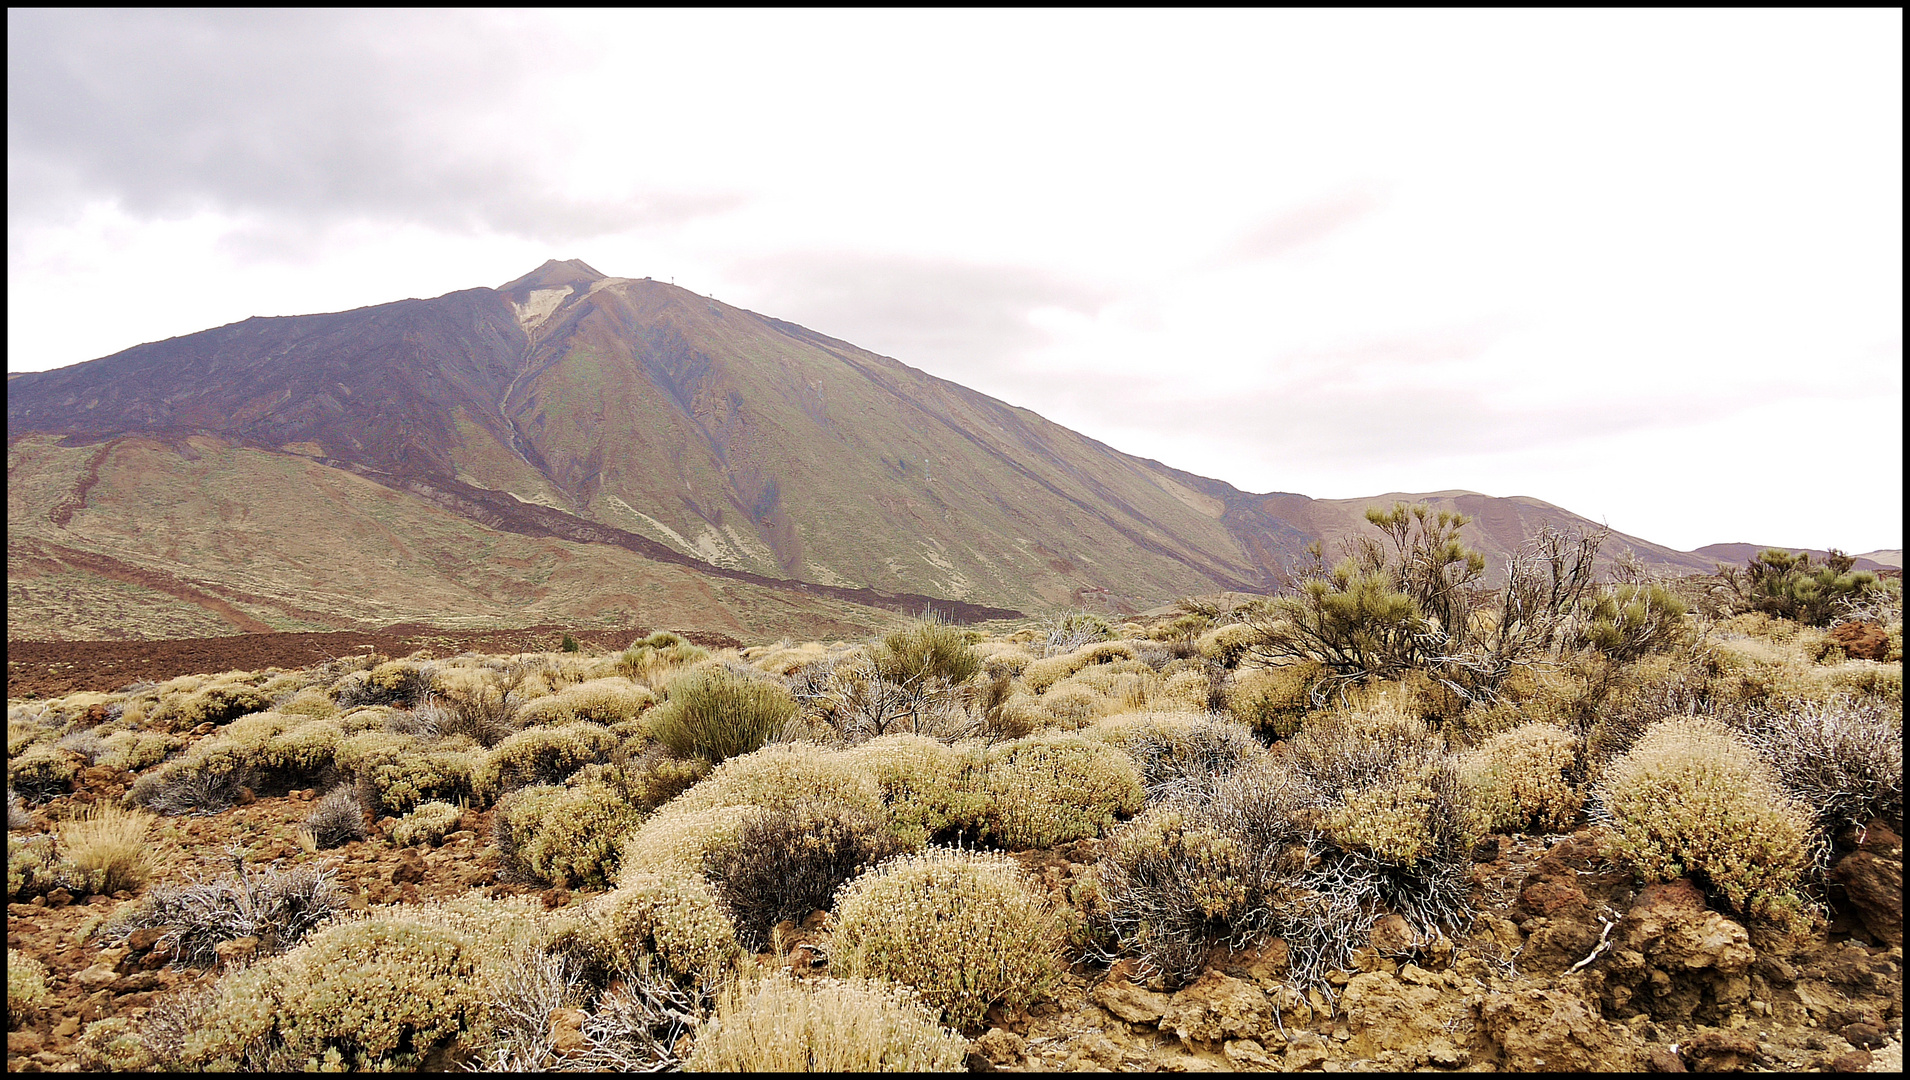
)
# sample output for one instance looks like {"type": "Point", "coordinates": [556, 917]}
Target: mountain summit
{"type": "Point", "coordinates": [635, 413]}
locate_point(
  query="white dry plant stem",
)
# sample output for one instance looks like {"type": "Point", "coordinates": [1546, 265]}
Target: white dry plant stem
{"type": "Point", "coordinates": [639, 1021]}
{"type": "Point", "coordinates": [538, 984]}
{"type": "Point", "coordinates": [858, 703]}
{"type": "Point", "coordinates": [278, 907]}
{"type": "Point", "coordinates": [1841, 758]}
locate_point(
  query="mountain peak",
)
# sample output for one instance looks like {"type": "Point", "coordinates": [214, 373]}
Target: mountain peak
{"type": "Point", "coordinates": [555, 274]}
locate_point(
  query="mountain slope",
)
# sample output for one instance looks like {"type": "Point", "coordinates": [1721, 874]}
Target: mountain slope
{"type": "Point", "coordinates": [642, 416]}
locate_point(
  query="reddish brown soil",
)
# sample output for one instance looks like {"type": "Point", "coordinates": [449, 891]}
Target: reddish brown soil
{"type": "Point", "coordinates": [38, 669]}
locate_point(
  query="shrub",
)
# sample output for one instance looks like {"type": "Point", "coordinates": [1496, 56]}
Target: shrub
{"type": "Point", "coordinates": [33, 865]}
{"type": "Point", "coordinates": [26, 988]}
{"type": "Point", "coordinates": [186, 791]}
{"type": "Point", "coordinates": [1226, 645]}
{"type": "Point", "coordinates": [923, 651]}
{"type": "Point", "coordinates": [18, 817]}
{"type": "Point", "coordinates": [789, 862]}
{"type": "Point", "coordinates": [931, 790]}
{"type": "Point", "coordinates": [1388, 796]}
{"type": "Point", "coordinates": [1273, 700]}
{"type": "Point", "coordinates": [397, 772]}
{"type": "Point", "coordinates": [651, 777]}
{"type": "Point", "coordinates": [1073, 703]}
{"type": "Point", "coordinates": [824, 1025]}
{"type": "Point", "coordinates": [40, 772]}
{"type": "Point", "coordinates": [682, 841]}
{"type": "Point", "coordinates": [609, 702]}
{"type": "Point", "coordinates": [1521, 780]}
{"type": "Point", "coordinates": [847, 699]}
{"type": "Point", "coordinates": [394, 682]}
{"type": "Point", "coordinates": [427, 824]}
{"type": "Point", "coordinates": [966, 931]}
{"type": "Point", "coordinates": [716, 714]}
{"type": "Point", "coordinates": [672, 916]}
{"type": "Point", "coordinates": [376, 993]}
{"type": "Point", "coordinates": [1691, 799]}
{"type": "Point", "coordinates": [1047, 790]}
{"type": "Point", "coordinates": [219, 703]}
{"type": "Point", "coordinates": [483, 713]}
{"type": "Point", "coordinates": [336, 819]}
{"type": "Point", "coordinates": [1044, 673]}
{"type": "Point", "coordinates": [107, 848]}
{"type": "Point", "coordinates": [562, 836]}
{"type": "Point", "coordinates": [1792, 586]}
{"type": "Point", "coordinates": [649, 656]}
{"type": "Point", "coordinates": [1842, 760]}
{"type": "Point", "coordinates": [782, 775]}
{"type": "Point", "coordinates": [136, 751]}
{"type": "Point", "coordinates": [1067, 631]}
{"type": "Point", "coordinates": [1175, 882]}
{"type": "Point", "coordinates": [112, 1045]}
{"type": "Point", "coordinates": [541, 755]}
{"type": "Point", "coordinates": [1629, 621]}
{"type": "Point", "coordinates": [278, 907]}
{"type": "Point", "coordinates": [1180, 753]}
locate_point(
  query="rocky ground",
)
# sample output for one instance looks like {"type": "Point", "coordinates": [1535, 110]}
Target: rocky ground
{"type": "Point", "coordinates": [1570, 966]}
{"type": "Point", "coordinates": [44, 669]}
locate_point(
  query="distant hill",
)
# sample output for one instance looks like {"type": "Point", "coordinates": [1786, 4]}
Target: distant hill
{"type": "Point", "coordinates": [1739, 554]}
{"type": "Point", "coordinates": [391, 463]}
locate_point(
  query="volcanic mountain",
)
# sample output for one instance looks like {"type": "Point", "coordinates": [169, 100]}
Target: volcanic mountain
{"type": "Point", "coordinates": [577, 446]}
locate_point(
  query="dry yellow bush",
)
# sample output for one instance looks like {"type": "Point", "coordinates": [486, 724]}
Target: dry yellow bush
{"type": "Point", "coordinates": [1272, 700]}
{"type": "Point", "coordinates": [674, 916]}
{"type": "Point", "coordinates": [1521, 780]}
{"type": "Point", "coordinates": [1041, 674]}
{"type": "Point", "coordinates": [427, 824]}
{"type": "Point", "coordinates": [1226, 644]}
{"type": "Point", "coordinates": [109, 849]}
{"type": "Point", "coordinates": [541, 755]}
{"type": "Point", "coordinates": [1051, 789]}
{"type": "Point", "coordinates": [376, 993]}
{"type": "Point", "coordinates": [26, 987]}
{"type": "Point", "coordinates": [678, 841]}
{"type": "Point", "coordinates": [780, 775]}
{"type": "Point", "coordinates": [966, 931]}
{"type": "Point", "coordinates": [1690, 798]}
{"type": "Point", "coordinates": [824, 1025]}
{"type": "Point", "coordinates": [1071, 704]}
{"type": "Point", "coordinates": [563, 836]}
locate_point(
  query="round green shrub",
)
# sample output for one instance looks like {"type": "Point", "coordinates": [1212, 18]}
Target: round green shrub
{"type": "Point", "coordinates": [1521, 780]}
{"type": "Point", "coordinates": [427, 823]}
{"type": "Point", "coordinates": [567, 836]}
{"type": "Point", "coordinates": [926, 650]}
{"type": "Point", "coordinates": [1690, 798]}
{"type": "Point", "coordinates": [966, 931]}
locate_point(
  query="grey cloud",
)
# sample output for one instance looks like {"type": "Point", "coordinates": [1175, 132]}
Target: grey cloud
{"type": "Point", "coordinates": [1304, 225]}
{"type": "Point", "coordinates": [294, 119]}
{"type": "Point", "coordinates": [953, 318]}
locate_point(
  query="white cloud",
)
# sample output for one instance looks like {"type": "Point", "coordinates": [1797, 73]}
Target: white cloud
{"type": "Point", "coordinates": [1628, 262]}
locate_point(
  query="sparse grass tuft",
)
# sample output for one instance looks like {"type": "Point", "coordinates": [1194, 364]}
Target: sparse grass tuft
{"type": "Point", "coordinates": [715, 714]}
{"type": "Point", "coordinates": [108, 849]}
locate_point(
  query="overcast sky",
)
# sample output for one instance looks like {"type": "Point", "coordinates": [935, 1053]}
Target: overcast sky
{"type": "Point", "coordinates": [1645, 265]}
